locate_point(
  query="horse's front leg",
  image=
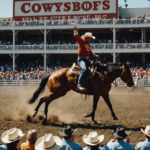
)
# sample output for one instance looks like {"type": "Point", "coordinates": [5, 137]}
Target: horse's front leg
{"type": "Point", "coordinates": [107, 100]}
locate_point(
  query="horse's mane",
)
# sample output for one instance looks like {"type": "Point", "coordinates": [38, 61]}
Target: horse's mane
{"type": "Point", "coordinates": [109, 67]}
{"type": "Point", "coordinates": [113, 66]}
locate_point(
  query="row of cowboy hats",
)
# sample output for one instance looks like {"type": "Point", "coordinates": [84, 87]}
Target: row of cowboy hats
{"type": "Point", "coordinates": [50, 142]}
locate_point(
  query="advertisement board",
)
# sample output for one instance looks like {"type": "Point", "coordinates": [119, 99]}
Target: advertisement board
{"type": "Point", "coordinates": [64, 9]}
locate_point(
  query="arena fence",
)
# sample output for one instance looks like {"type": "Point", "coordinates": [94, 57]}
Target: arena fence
{"type": "Point", "coordinates": [18, 85]}
{"type": "Point", "coordinates": [11, 85]}
{"type": "Point", "coordinates": [145, 85]}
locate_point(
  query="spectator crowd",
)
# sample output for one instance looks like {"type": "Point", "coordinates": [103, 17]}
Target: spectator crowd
{"type": "Point", "coordinates": [69, 40]}
{"type": "Point", "coordinates": [92, 141]}
{"type": "Point", "coordinates": [35, 71]}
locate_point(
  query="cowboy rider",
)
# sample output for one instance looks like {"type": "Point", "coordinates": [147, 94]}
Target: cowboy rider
{"type": "Point", "coordinates": [84, 52]}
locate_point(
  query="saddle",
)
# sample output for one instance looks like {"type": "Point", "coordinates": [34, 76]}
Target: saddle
{"type": "Point", "coordinates": [75, 71]}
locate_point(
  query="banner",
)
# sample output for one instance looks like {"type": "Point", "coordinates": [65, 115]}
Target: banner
{"type": "Point", "coordinates": [66, 9]}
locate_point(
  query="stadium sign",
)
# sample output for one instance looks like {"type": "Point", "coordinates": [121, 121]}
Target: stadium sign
{"type": "Point", "coordinates": [64, 9]}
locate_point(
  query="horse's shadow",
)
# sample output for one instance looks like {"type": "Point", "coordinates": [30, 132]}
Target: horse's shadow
{"type": "Point", "coordinates": [91, 126]}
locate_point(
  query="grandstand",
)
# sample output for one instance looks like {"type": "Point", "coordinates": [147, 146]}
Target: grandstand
{"type": "Point", "coordinates": [30, 36]}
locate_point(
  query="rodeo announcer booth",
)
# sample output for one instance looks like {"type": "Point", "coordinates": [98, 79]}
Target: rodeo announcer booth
{"type": "Point", "coordinates": [84, 53]}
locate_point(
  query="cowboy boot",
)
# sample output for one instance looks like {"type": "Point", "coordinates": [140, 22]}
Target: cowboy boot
{"type": "Point", "coordinates": [82, 89]}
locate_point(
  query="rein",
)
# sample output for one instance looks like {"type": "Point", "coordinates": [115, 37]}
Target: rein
{"type": "Point", "coordinates": [117, 75]}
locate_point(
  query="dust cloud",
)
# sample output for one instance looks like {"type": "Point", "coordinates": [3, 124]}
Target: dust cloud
{"type": "Point", "coordinates": [16, 107]}
{"type": "Point", "coordinates": [67, 109]}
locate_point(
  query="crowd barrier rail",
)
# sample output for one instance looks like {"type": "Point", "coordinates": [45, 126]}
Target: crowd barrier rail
{"type": "Point", "coordinates": [18, 85]}
{"type": "Point", "coordinates": [71, 22]}
{"type": "Point", "coordinates": [61, 47]}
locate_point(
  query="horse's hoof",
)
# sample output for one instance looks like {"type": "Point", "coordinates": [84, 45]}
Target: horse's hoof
{"type": "Point", "coordinates": [28, 118]}
{"type": "Point", "coordinates": [115, 118]}
{"type": "Point", "coordinates": [44, 122]}
{"type": "Point", "coordinates": [34, 114]}
{"type": "Point", "coordinates": [87, 115]}
{"type": "Point", "coordinates": [94, 122]}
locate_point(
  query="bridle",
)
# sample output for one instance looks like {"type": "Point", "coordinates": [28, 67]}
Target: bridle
{"type": "Point", "coordinates": [120, 77]}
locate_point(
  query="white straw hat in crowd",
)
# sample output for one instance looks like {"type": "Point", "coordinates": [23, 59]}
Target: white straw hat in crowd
{"type": "Point", "coordinates": [93, 139]}
{"type": "Point", "coordinates": [11, 135]}
{"type": "Point", "coordinates": [48, 142]}
{"type": "Point", "coordinates": [147, 130]}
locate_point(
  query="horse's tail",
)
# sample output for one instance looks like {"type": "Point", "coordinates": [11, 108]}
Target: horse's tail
{"type": "Point", "coordinates": [39, 90]}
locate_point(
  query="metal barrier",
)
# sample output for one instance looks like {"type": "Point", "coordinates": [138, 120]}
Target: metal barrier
{"type": "Point", "coordinates": [133, 46]}
{"type": "Point", "coordinates": [30, 83]}
{"type": "Point", "coordinates": [132, 21]}
{"type": "Point", "coordinates": [75, 46]}
{"type": "Point", "coordinates": [6, 47]}
{"type": "Point", "coordinates": [29, 47]}
{"type": "Point", "coordinates": [11, 85]}
{"type": "Point", "coordinates": [96, 46]}
{"type": "Point", "coordinates": [145, 84]}
{"type": "Point", "coordinates": [6, 23]}
{"type": "Point", "coordinates": [17, 85]}
{"type": "Point", "coordinates": [71, 22]}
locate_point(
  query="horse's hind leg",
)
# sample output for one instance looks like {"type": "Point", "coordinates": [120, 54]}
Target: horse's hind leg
{"type": "Point", "coordinates": [107, 100]}
{"type": "Point", "coordinates": [49, 99]}
{"type": "Point", "coordinates": [42, 100]}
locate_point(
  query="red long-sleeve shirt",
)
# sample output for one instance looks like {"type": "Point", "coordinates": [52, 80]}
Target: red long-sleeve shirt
{"type": "Point", "coordinates": [84, 49]}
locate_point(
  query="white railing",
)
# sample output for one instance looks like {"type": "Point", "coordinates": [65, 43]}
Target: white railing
{"type": "Point", "coordinates": [29, 23]}
{"type": "Point", "coordinates": [10, 85]}
{"type": "Point", "coordinates": [29, 47]}
{"type": "Point", "coordinates": [6, 23]}
{"type": "Point", "coordinates": [95, 21]}
{"type": "Point", "coordinates": [145, 84]}
{"type": "Point", "coordinates": [6, 47]}
{"type": "Point", "coordinates": [98, 46]}
{"type": "Point", "coordinates": [29, 83]}
{"type": "Point", "coordinates": [75, 46]}
{"type": "Point", "coordinates": [17, 85]}
{"type": "Point", "coordinates": [132, 21]}
{"type": "Point", "coordinates": [101, 21]}
{"type": "Point", "coordinates": [133, 46]}
{"type": "Point", "coordinates": [60, 22]}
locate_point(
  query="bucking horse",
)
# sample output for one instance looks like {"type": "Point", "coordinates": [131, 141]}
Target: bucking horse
{"type": "Point", "coordinates": [61, 82]}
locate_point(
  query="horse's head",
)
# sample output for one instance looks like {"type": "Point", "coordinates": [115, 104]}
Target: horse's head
{"type": "Point", "coordinates": [126, 75]}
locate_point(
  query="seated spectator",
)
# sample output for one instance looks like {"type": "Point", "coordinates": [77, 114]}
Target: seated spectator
{"type": "Point", "coordinates": [146, 144]}
{"type": "Point", "coordinates": [11, 138]}
{"type": "Point", "coordinates": [31, 138]}
{"type": "Point", "coordinates": [68, 139]}
{"type": "Point", "coordinates": [120, 134]}
{"type": "Point", "coordinates": [94, 141]}
{"type": "Point", "coordinates": [48, 142]}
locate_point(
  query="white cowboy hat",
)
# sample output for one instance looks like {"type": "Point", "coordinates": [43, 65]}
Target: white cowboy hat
{"type": "Point", "coordinates": [147, 130]}
{"type": "Point", "coordinates": [93, 138]}
{"type": "Point", "coordinates": [88, 34]}
{"type": "Point", "coordinates": [11, 135]}
{"type": "Point", "coordinates": [48, 142]}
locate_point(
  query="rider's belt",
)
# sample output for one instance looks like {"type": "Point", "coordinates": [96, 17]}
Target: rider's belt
{"type": "Point", "coordinates": [87, 57]}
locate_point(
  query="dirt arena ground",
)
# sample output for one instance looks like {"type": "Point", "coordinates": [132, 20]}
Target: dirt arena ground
{"type": "Point", "coordinates": [131, 108]}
